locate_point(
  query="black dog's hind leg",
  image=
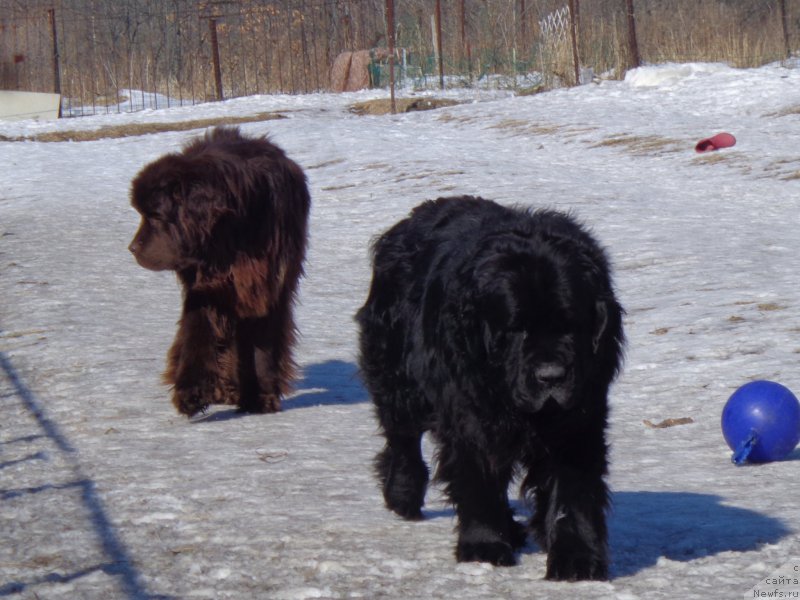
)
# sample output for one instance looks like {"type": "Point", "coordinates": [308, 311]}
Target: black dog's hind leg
{"type": "Point", "coordinates": [487, 531]}
{"type": "Point", "coordinates": [403, 474]}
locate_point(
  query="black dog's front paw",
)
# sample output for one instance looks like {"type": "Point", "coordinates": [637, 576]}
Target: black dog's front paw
{"type": "Point", "coordinates": [498, 553]}
{"type": "Point", "coordinates": [404, 480]}
{"type": "Point", "coordinates": [409, 509]}
{"type": "Point", "coordinates": [517, 534]}
{"type": "Point", "coordinates": [479, 544]}
{"type": "Point", "coordinates": [575, 565]}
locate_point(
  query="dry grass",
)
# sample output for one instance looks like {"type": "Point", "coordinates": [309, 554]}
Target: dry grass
{"type": "Point", "coordinates": [791, 110]}
{"type": "Point", "coordinates": [447, 117]}
{"type": "Point", "coordinates": [643, 145]}
{"type": "Point", "coordinates": [743, 34]}
{"type": "Point", "coordinates": [328, 163]}
{"type": "Point", "coordinates": [383, 106]}
{"type": "Point", "coordinates": [785, 169]}
{"type": "Point", "coordinates": [134, 129]}
{"type": "Point", "coordinates": [714, 158]}
{"type": "Point", "coordinates": [732, 159]}
{"type": "Point", "coordinates": [770, 306]}
{"type": "Point", "coordinates": [531, 90]}
{"type": "Point", "coordinates": [522, 127]}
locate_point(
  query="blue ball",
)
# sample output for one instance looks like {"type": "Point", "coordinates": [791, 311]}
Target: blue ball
{"type": "Point", "coordinates": [761, 422]}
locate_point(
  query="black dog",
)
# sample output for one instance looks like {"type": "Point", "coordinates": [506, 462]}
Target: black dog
{"type": "Point", "coordinates": [498, 331]}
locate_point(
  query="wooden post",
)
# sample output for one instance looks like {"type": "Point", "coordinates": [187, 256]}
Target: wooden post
{"type": "Point", "coordinates": [212, 26]}
{"type": "Point", "coordinates": [574, 36]}
{"type": "Point", "coordinates": [56, 63]}
{"type": "Point", "coordinates": [633, 45]}
{"type": "Point", "coordinates": [787, 48]}
{"type": "Point", "coordinates": [464, 43]}
{"type": "Point", "coordinates": [390, 38]}
{"type": "Point", "coordinates": [438, 17]}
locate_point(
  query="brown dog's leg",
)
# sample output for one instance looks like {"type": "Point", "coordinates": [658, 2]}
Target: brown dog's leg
{"type": "Point", "coordinates": [266, 367]}
{"type": "Point", "coordinates": [192, 366]}
{"type": "Point", "coordinates": [259, 389]}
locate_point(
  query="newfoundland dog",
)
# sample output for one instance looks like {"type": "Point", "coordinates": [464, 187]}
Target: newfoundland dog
{"type": "Point", "coordinates": [498, 331]}
{"type": "Point", "coordinates": [229, 215]}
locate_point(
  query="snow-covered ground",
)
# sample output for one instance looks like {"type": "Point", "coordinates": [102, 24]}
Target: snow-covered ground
{"type": "Point", "coordinates": [106, 492]}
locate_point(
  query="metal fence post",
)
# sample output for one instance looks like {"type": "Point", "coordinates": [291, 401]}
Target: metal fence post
{"type": "Point", "coordinates": [633, 45]}
{"type": "Point", "coordinates": [786, 46]}
{"type": "Point", "coordinates": [51, 13]}
{"type": "Point", "coordinates": [438, 16]}
{"type": "Point", "coordinates": [390, 37]}
{"type": "Point", "coordinates": [573, 34]}
{"type": "Point", "coordinates": [212, 26]}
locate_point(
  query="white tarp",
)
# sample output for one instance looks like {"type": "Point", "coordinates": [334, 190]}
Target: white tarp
{"type": "Point", "coordinates": [16, 106]}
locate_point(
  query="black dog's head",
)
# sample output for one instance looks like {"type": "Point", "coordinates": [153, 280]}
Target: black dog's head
{"type": "Point", "coordinates": [543, 324]}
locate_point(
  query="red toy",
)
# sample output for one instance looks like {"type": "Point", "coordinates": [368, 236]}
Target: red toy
{"type": "Point", "coordinates": [721, 140]}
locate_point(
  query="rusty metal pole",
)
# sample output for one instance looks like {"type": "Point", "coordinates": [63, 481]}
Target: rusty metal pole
{"type": "Point", "coordinates": [467, 53]}
{"type": "Point", "coordinates": [212, 26]}
{"type": "Point", "coordinates": [390, 38]}
{"type": "Point", "coordinates": [786, 46]}
{"type": "Point", "coordinates": [438, 17]}
{"type": "Point", "coordinates": [574, 36]}
{"type": "Point", "coordinates": [633, 45]}
{"type": "Point", "coordinates": [56, 62]}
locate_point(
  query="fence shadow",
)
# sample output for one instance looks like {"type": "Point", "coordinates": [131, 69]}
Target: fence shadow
{"type": "Point", "coordinates": [681, 526]}
{"type": "Point", "coordinates": [119, 563]}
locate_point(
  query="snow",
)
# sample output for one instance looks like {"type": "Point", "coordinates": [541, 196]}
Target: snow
{"type": "Point", "coordinates": [106, 492]}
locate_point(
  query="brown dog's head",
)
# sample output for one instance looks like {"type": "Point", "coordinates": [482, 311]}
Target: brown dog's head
{"type": "Point", "coordinates": [187, 205]}
{"type": "Point", "coordinates": [226, 209]}
{"type": "Point", "coordinates": [155, 195]}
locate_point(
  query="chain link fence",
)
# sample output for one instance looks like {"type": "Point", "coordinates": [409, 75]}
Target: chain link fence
{"type": "Point", "coordinates": [129, 54]}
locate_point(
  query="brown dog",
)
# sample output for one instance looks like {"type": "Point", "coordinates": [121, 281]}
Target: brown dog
{"type": "Point", "coordinates": [229, 215]}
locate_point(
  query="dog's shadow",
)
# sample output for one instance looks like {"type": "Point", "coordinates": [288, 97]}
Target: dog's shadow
{"type": "Point", "coordinates": [678, 526]}
{"type": "Point", "coordinates": [681, 526]}
{"type": "Point", "coordinates": [328, 383]}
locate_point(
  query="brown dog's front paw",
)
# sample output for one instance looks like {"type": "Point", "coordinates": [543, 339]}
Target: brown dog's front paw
{"type": "Point", "coordinates": [190, 401]}
{"type": "Point", "coordinates": [263, 403]}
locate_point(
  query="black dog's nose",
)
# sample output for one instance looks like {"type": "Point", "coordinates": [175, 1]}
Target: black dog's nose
{"type": "Point", "coordinates": [550, 373]}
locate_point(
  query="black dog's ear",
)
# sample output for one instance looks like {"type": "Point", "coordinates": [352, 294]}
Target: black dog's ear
{"type": "Point", "coordinates": [600, 323]}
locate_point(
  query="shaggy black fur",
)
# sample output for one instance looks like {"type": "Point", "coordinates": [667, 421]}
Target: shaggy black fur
{"type": "Point", "coordinates": [498, 331]}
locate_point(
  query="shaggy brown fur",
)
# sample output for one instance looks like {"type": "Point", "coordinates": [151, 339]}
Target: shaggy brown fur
{"type": "Point", "coordinates": [229, 215]}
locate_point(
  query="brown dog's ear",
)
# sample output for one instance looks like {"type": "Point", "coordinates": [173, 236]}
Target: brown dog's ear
{"type": "Point", "coordinates": [198, 212]}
